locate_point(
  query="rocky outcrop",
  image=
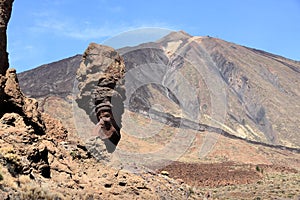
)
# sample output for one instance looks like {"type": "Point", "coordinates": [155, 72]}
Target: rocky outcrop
{"type": "Point", "coordinates": [13, 101]}
{"type": "Point", "coordinates": [5, 12]}
{"type": "Point", "coordinates": [21, 127]}
{"type": "Point", "coordinates": [101, 91]}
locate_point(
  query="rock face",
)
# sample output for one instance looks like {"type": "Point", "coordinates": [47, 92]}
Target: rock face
{"type": "Point", "coordinates": [25, 133]}
{"type": "Point", "coordinates": [22, 123]}
{"type": "Point", "coordinates": [101, 91]}
{"type": "Point", "coordinates": [13, 101]}
{"type": "Point", "coordinates": [5, 12]}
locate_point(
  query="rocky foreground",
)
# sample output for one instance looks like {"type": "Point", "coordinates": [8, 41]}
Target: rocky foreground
{"type": "Point", "coordinates": [40, 161]}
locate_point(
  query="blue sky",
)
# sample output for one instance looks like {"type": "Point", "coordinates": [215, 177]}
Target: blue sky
{"type": "Point", "coordinates": [44, 31]}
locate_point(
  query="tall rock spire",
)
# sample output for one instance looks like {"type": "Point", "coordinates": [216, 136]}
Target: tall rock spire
{"type": "Point", "coordinates": [5, 12]}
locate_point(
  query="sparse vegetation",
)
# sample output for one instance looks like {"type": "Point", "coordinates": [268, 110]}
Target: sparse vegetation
{"type": "Point", "coordinates": [73, 154]}
{"type": "Point", "coordinates": [36, 192]}
{"type": "Point", "coordinates": [259, 169]}
{"type": "Point", "coordinates": [270, 188]}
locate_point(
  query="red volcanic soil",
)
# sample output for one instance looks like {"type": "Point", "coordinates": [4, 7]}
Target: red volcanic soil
{"type": "Point", "coordinates": [218, 174]}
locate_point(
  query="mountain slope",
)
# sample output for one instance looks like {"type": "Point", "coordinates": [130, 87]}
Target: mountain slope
{"type": "Point", "coordinates": [265, 86]}
{"type": "Point", "coordinates": [246, 92]}
{"type": "Point", "coordinates": [54, 79]}
{"type": "Point", "coordinates": [249, 93]}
